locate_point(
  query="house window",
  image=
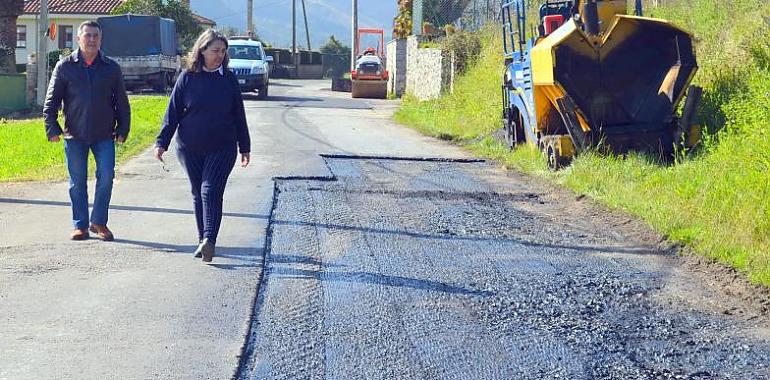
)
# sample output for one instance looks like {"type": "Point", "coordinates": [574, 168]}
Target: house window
{"type": "Point", "coordinates": [21, 36]}
{"type": "Point", "coordinates": [65, 36]}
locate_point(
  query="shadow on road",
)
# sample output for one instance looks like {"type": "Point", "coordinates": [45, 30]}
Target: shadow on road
{"type": "Point", "coordinates": [253, 255]}
{"type": "Point", "coordinates": [284, 98]}
{"type": "Point", "coordinates": [280, 84]}
{"type": "Point", "coordinates": [452, 237]}
{"type": "Point", "coordinates": [128, 208]}
{"type": "Point", "coordinates": [376, 279]}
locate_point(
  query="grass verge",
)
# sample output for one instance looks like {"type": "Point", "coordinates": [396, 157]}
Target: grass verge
{"type": "Point", "coordinates": [28, 156]}
{"type": "Point", "coordinates": [715, 200]}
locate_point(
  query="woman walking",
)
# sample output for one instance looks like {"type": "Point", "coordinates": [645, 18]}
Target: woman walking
{"type": "Point", "coordinates": [206, 108]}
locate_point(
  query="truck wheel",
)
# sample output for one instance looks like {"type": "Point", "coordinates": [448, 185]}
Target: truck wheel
{"type": "Point", "coordinates": [170, 79]}
{"type": "Point", "coordinates": [160, 85]}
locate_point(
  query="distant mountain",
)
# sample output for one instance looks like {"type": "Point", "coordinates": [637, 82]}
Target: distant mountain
{"type": "Point", "coordinates": [272, 18]}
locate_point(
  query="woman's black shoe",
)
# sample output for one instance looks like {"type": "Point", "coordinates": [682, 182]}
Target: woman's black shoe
{"type": "Point", "coordinates": [206, 249]}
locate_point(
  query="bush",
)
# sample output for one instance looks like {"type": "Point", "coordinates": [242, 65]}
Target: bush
{"type": "Point", "coordinates": [53, 57]}
{"type": "Point", "coordinates": [466, 47]}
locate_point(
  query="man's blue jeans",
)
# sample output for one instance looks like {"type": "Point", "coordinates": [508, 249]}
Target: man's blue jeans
{"type": "Point", "coordinates": [76, 153]}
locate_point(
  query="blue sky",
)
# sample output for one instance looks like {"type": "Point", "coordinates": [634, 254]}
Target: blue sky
{"type": "Point", "coordinates": [325, 17]}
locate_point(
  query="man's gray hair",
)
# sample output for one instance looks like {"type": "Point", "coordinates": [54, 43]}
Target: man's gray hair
{"type": "Point", "coordinates": [90, 23]}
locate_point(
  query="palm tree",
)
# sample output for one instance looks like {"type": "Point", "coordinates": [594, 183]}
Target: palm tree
{"type": "Point", "coordinates": [9, 12]}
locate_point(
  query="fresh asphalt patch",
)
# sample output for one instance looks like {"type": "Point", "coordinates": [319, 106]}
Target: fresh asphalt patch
{"type": "Point", "coordinates": [311, 102]}
{"type": "Point", "coordinates": [443, 269]}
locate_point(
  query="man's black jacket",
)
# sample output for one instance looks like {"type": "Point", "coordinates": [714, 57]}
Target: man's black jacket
{"type": "Point", "coordinates": [95, 102]}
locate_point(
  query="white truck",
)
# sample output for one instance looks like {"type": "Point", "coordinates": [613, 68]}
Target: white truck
{"type": "Point", "coordinates": [250, 65]}
{"type": "Point", "coordinates": [145, 47]}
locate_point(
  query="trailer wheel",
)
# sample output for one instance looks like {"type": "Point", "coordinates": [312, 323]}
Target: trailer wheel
{"type": "Point", "coordinates": [553, 158]}
{"type": "Point", "coordinates": [555, 161]}
{"type": "Point", "coordinates": [507, 129]}
{"type": "Point", "coordinates": [513, 126]}
{"type": "Point", "coordinates": [518, 128]}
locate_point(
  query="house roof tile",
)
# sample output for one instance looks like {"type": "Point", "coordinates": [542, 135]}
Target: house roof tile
{"type": "Point", "coordinates": [202, 20]}
{"type": "Point", "coordinates": [74, 6]}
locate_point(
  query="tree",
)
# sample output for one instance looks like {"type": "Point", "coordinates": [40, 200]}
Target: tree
{"type": "Point", "coordinates": [187, 28]}
{"type": "Point", "coordinates": [336, 58]}
{"type": "Point", "coordinates": [9, 13]}
{"type": "Point", "coordinates": [334, 46]}
{"type": "Point", "coordinates": [402, 24]}
{"type": "Point", "coordinates": [229, 31]}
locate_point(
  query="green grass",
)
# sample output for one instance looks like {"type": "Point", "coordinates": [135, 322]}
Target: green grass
{"type": "Point", "coordinates": [716, 199]}
{"type": "Point", "coordinates": [28, 156]}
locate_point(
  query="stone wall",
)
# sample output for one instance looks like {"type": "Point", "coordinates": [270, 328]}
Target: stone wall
{"type": "Point", "coordinates": [429, 71]}
{"type": "Point", "coordinates": [396, 66]}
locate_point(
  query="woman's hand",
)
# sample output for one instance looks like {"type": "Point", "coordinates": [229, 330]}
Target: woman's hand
{"type": "Point", "coordinates": [245, 159]}
{"type": "Point", "coordinates": [159, 153]}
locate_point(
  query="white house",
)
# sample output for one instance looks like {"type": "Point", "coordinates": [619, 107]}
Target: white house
{"type": "Point", "coordinates": [66, 15]}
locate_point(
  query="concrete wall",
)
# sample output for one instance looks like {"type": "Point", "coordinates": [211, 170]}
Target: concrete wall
{"type": "Point", "coordinates": [310, 72]}
{"type": "Point", "coordinates": [429, 71]}
{"type": "Point", "coordinates": [396, 66]}
{"type": "Point", "coordinates": [13, 96]}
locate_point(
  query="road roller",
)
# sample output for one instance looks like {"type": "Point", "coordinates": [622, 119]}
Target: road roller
{"type": "Point", "coordinates": [369, 78]}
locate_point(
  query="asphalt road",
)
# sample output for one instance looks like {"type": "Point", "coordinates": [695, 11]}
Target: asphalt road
{"type": "Point", "coordinates": [427, 269]}
{"type": "Point", "coordinates": [141, 307]}
{"type": "Point", "coordinates": [386, 255]}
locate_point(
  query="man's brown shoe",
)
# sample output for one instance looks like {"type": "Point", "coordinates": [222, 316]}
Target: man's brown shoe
{"type": "Point", "coordinates": [103, 232]}
{"type": "Point", "coordinates": [79, 234]}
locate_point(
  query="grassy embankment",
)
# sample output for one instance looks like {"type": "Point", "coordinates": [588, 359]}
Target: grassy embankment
{"type": "Point", "coordinates": [715, 200]}
{"type": "Point", "coordinates": [27, 155]}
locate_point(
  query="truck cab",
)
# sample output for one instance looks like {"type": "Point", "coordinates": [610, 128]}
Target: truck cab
{"type": "Point", "coordinates": [250, 65]}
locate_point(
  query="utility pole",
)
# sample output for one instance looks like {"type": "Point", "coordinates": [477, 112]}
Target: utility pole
{"type": "Point", "coordinates": [294, 36]}
{"type": "Point", "coordinates": [42, 53]}
{"type": "Point", "coordinates": [250, 18]}
{"type": "Point", "coordinates": [354, 44]}
{"type": "Point", "coordinates": [307, 31]}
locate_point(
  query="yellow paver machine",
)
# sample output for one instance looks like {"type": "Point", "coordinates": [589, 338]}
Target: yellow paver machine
{"type": "Point", "coordinates": [591, 76]}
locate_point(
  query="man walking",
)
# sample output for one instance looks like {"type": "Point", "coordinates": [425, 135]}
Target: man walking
{"type": "Point", "coordinates": [96, 115]}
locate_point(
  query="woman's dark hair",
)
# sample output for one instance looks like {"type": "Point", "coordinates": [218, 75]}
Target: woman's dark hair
{"type": "Point", "coordinates": [204, 41]}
